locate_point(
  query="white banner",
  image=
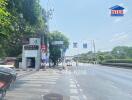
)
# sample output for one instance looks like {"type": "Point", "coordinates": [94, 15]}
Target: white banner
{"type": "Point", "coordinates": [34, 41]}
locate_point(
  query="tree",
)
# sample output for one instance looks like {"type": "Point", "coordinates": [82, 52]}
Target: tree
{"type": "Point", "coordinates": [55, 50]}
{"type": "Point", "coordinates": [4, 19]}
{"type": "Point", "coordinates": [120, 52]}
{"type": "Point", "coordinates": [26, 20]}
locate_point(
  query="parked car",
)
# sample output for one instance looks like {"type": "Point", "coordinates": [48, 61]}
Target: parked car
{"type": "Point", "coordinates": [7, 76]}
{"type": "Point", "coordinates": [9, 69]}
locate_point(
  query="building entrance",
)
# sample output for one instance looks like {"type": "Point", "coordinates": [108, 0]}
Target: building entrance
{"type": "Point", "coordinates": [30, 62]}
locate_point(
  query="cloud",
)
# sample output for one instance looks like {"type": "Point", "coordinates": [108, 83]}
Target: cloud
{"type": "Point", "coordinates": [125, 11]}
{"type": "Point", "coordinates": [117, 20]}
{"type": "Point", "coordinates": [119, 37]}
{"type": "Point", "coordinates": [121, 4]}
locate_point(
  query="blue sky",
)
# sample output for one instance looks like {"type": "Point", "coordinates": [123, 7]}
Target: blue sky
{"type": "Point", "coordinates": [85, 20]}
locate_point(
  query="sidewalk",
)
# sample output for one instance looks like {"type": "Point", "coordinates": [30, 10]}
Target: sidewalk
{"type": "Point", "coordinates": [35, 86]}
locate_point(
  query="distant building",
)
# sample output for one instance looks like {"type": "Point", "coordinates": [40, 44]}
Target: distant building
{"type": "Point", "coordinates": [117, 11]}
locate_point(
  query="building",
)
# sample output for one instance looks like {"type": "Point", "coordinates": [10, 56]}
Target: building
{"type": "Point", "coordinates": [31, 55]}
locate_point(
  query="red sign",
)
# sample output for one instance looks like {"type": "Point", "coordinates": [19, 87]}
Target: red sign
{"type": "Point", "coordinates": [44, 47]}
{"type": "Point", "coordinates": [117, 12]}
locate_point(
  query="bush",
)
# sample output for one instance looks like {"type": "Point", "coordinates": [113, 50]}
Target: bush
{"type": "Point", "coordinates": [118, 61]}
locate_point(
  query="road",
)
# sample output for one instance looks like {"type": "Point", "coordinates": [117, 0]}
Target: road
{"type": "Point", "coordinates": [85, 82]}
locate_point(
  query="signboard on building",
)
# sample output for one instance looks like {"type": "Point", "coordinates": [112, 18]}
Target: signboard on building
{"type": "Point", "coordinates": [117, 11]}
{"type": "Point", "coordinates": [58, 43]}
{"type": "Point", "coordinates": [31, 47]}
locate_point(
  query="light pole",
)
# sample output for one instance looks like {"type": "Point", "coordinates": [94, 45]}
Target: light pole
{"type": "Point", "coordinates": [47, 16]}
{"type": "Point", "coordinates": [94, 51]}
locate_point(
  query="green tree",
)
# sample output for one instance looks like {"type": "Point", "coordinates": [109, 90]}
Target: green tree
{"type": "Point", "coordinates": [4, 19]}
{"type": "Point", "coordinates": [120, 52]}
{"type": "Point", "coordinates": [27, 20]}
{"type": "Point", "coordinates": [55, 50]}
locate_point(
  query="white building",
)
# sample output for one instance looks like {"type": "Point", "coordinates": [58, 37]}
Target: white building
{"type": "Point", "coordinates": [31, 56]}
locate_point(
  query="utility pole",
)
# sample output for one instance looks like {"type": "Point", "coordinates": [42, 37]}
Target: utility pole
{"type": "Point", "coordinates": [94, 51]}
{"type": "Point", "coordinates": [47, 16]}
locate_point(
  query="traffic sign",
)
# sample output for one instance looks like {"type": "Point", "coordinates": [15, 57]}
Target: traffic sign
{"type": "Point", "coordinates": [75, 44]}
{"type": "Point", "coordinates": [58, 43]}
{"type": "Point", "coordinates": [85, 45]}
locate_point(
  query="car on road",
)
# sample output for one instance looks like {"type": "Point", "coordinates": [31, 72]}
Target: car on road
{"type": "Point", "coordinates": [68, 62]}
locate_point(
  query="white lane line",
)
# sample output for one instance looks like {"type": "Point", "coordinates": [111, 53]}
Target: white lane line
{"type": "Point", "coordinates": [73, 86]}
{"type": "Point", "coordinates": [74, 98]}
{"type": "Point", "coordinates": [32, 85]}
{"type": "Point", "coordinates": [72, 83]}
{"type": "Point", "coordinates": [76, 82]}
{"type": "Point", "coordinates": [39, 81]}
{"type": "Point", "coordinates": [50, 82]}
{"type": "Point", "coordinates": [43, 78]}
{"type": "Point", "coordinates": [84, 97]}
{"type": "Point", "coordinates": [33, 90]}
{"type": "Point", "coordinates": [78, 85]}
{"type": "Point", "coordinates": [80, 90]}
{"type": "Point", "coordinates": [73, 91]}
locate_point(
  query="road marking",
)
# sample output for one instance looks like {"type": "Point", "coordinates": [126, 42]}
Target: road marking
{"type": "Point", "coordinates": [49, 82]}
{"type": "Point", "coordinates": [73, 91]}
{"type": "Point", "coordinates": [41, 79]}
{"type": "Point", "coordinates": [24, 91]}
{"type": "Point", "coordinates": [84, 97]}
{"type": "Point", "coordinates": [76, 82]}
{"type": "Point", "coordinates": [73, 86]}
{"type": "Point", "coordinates": [72, 83]}
{"type": "Point", "coordinates": [42, 97]}
{"type": "Point", "coordinates": [32, 85]}
{"type": "Point", "coordinates": [78, 85]}
{"type": "Point", "coordinates": [74, 98]}
{"type": "Point", "coordinates": [80, 90]}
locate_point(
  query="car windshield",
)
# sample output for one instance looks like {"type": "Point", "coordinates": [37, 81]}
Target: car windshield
{"type": "Point", "coordinates": [66, 49]}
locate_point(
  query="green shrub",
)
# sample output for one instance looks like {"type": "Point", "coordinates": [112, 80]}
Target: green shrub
{"type": "Point", "coordinates": [118, 61]}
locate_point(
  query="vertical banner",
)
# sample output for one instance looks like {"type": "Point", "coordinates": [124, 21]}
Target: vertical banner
{"type": "Point", "coordinates": [44, 53]}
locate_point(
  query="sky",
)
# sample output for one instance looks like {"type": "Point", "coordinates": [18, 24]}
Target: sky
{"type": "Point", "coordinates": [85, 20]}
